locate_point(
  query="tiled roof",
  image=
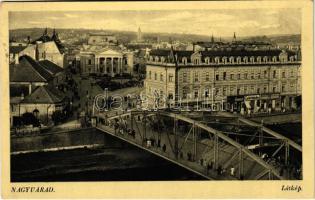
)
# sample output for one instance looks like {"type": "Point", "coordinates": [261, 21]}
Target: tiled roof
{"type": "Point", "coordinates": [50, 66]}
{"type": "Point", "coordinates": [44, 94]}
{"type": "Point", "coordinates": [40, 69]}
{"type": "Point", "coordinates": [28, 70]}
{"type": "Point", "coordinates": [16, 49]}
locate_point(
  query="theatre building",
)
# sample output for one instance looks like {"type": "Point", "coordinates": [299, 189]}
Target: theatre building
{"type": "Point", "coordinates": [235, 80]}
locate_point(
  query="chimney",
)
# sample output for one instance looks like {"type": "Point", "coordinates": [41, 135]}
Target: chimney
{"type": "Point", "coordinates": [16, 58]}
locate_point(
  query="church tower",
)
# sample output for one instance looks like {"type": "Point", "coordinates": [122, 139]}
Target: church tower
{"type": "Point", "coordinates": [212, 39]}
{"type": "Point", "coordinates": [139, 38]}
{"type": "Point", "coordinates": [234, 37]}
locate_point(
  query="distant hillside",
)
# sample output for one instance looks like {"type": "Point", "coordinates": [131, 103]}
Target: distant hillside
{"type": "Point", "coordinates": [127, 36]}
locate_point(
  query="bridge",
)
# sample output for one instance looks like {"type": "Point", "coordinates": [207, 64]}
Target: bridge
{"type": "Point", "coordinates": [217, 146]}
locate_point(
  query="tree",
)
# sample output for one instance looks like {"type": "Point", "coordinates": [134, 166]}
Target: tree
{"type": "Point", "coordinates": [57, 116]}
{"type": "Point", "coordinates": [29, 118]}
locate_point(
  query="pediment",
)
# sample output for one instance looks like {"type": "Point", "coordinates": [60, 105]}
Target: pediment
{"type": "Point", "coordinates": [111, 52]}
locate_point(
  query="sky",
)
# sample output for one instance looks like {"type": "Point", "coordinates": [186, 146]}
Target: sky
{"type": "Point", "coordinates": [245, 22]}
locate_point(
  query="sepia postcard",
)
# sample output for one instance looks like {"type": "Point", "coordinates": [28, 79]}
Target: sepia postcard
{"type": "Point", "coordinates": [176, 99]}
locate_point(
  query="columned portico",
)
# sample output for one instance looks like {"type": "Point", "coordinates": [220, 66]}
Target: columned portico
{"type": "Point", "coordinates": [109, 62]}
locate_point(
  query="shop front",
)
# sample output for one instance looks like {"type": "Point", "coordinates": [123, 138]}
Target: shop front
{"type": "Point", "coordinates": [254, 103]}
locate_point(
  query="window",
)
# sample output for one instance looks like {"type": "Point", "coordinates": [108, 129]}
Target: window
{"type": "Point", "coordinates": [238, 91]}
{"type": "Point", "coordinates": [161, 77]}
{"type": "Point", "coordinates": [265, 74]}
{"type": "Point", "coordinates": [224, 75]}
{"type": "Point", "coordinates": [217, 77]}
{"type": "Point", "coordinates": [184, 60]}
{"type": "Point", "coordinates": [231, 90]}
{"type": "Point", "coordinates": [149, 74]}
{"type": "Point", "coordinates": [184, 77]}
{"type": "Point", "coordinates": [283, 74]}
{"type": "Point", "coordinates": [274, 74]}
{"type": "Point", "coordinates": [196, 94]}
{"type": "Point", "coordinates": [258, 90]}
{"type": "Point", "coordinates": [252, 76]}
{"type": "Point", "coordinates": [283, 88]}
{"type": "Point", "coordinates": [252, 88]}
{"type": "Point", "coordinates": [274, 89]}
{"type": "Point", "coordinates": [224, 91]}
{"type": "Point", "coordinates": [155, 76]}
{"type": "Point", "coordinates": [184, 93]}
{"type": "Point", "coordinates": [170, 78]}
{"type": "Point", "coordinates": [207, 76]}
{"type": "Point", "coordinates": [196, 77]}
{"type": "Point", "coordinates": [170, 96]}
{"type": "Point", "coordinates": [245, 76]}
{"type": "Point", "coordinates": [206, 93]}
{"type": "Point", "coordinates": [291, 73]}
{"type": "Point", "coordinates": [89, 61]}
{"type": "Point", "coordinates": [232, 76]}
{"type": "Point", "coordinates": [245, 89]}
{"type": "Point", "coordinates": [265, 89]}
{"type": "Point", "coordinates": [238, 76]}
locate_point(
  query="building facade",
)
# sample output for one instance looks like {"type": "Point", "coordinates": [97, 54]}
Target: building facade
{"type": "Point", "coordinates": [106, 61]}
{"type": "Point", "coordinates": [102, 39]}
{"type": "Point", "coordinates": [236, 80]}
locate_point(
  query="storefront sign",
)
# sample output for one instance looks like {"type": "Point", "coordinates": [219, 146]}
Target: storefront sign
{"type": "Point", "coordinates": [252, 97]}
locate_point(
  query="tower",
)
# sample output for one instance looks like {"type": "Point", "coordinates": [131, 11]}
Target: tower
{"type": "Point", "coordinates": [139, 38]}
{"type": "Point", "coordinates": [234, 37]}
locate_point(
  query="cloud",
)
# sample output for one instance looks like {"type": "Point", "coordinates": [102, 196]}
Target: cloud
{"type": "Point", "coordinates": [68, 15]}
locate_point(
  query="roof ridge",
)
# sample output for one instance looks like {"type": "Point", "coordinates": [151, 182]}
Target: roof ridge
{"type": "Point", "coordinates": [31, 66]}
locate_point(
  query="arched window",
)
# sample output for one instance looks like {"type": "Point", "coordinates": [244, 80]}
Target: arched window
{"type": "Point", "coordinates": [265, 59]}
{"type": "Point", "coordinates": [252, 59]}
{"type": "Point", "coordinates": [274, 59]}
{"type": "Point", "coordinates": [162, 59]}
{"type": "Point", "coordinates": [231, 59]}
{"type": "Point", "coordinates": [207, 60]}
{"type": "Point", "coordinates": [224, 60]}
{"type": "Point", "coordinates": [217, 59]}
{"type": "Point", "coordinates": [238, 59]}
{"type": "Point", "coordinates": [184, 60]}
{"type": "Point", "coordinates": [291, 58]}
{"type": "Point", "coordinates": [245, 59]}
{"type": "Point", "coordinates": [259, 59]}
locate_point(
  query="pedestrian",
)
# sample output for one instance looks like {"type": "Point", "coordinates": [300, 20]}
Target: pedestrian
{"type": "Point", "coordinates": [201, 161]}
{"type": "Point", "coordinates": [164, 148]}
{"type": "Point", "coordinates": [232, 170]}
{"type": "Point", "coordinates": [219, 170]}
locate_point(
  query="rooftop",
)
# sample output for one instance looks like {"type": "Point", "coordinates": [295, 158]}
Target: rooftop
{"type": "Point", "coordinates": [44, 94]}
{"type": "Point", "coordinates": [28, 70]}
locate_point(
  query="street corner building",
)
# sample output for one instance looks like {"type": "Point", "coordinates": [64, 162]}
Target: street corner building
{"type": "Point", "coordinates": [237, 77]}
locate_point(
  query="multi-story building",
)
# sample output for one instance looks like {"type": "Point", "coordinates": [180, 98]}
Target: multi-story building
{"type": "Point", "coordinates": [235, 80]}
{"type": "Point", "coordinates": [102, 39]}
{"type": "Point", "coordinates": [43, 48]}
